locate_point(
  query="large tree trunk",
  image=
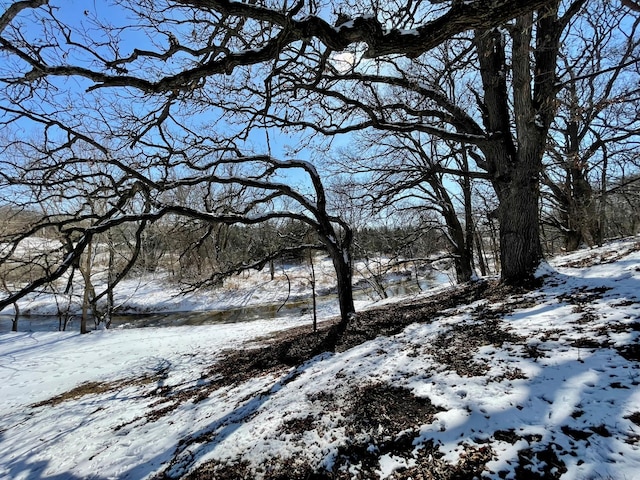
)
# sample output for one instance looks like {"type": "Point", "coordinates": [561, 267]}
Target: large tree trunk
{"type": "Point", "coordinates": [515, 161]}
{"type": "Point", "coordinates": [517, 188]}
{"type": "Point", "coordinates": [520, 247]}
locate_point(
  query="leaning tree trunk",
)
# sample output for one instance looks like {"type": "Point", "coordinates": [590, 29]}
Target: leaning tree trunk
{"type": "Point", "coordinates": [462, 255]}
{"type": "Point", "coordinates": [344, 274]}
{"type": "Point", "coordinates": [340, 253]}
{"type": "Point", "coordinates": [459, 238]}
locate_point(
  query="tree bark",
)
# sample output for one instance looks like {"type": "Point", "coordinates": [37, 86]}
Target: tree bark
{"type": "Point", "coordinates": [345, 291]}
{"type": "Point", "coordinates": [86, 298]}
{"type": "Point", "coordinates": [513, 164]}
{"type": "Point", "coordinates": [520, 247]}
{"type": "Point", "coordinates": [344, 274]}
{"type": "Point", "coordinates": [459, 237]}
{"type": "Point", "coordinates": [515, 161]}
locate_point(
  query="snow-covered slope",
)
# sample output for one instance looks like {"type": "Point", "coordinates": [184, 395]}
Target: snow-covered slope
{"type": "Point", "coordinates": [510, 386]}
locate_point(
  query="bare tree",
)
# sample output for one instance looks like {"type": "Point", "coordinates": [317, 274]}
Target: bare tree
{"type": "Point", "coordinates": [138, 200]}
{"type": "Point", "coordinates": [407, 172]}
{"type": "Point", "coordinates": [513, 78]}
{"type": "Point", "coordinates": [623, 208]}
{"type": "Point", "coordinates": [595, 126]}
{"type": "Point", "coordinates": [59, 189]}
{"type": "Point", "coordinates": [248, 62]}
{"type": "Point", "coordinates": [262, 203]}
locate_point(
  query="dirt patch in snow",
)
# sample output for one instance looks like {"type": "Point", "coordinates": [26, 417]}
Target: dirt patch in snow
{"type": "Point", "coordinates": [384, 411]}
{"type": "Point", "coordinates": [360, 462]}
{"type": "Point", "coordinates": [295, 346]}
{"type": "Point", "coordinates": [381, 420]}
{"type": "Point", "coordinates": [97, 388]}
{"type": "Point", "coordinates": [606, 257]}
{"type": "Point", "coordinates": [288, 349]}
{"type": "Point", "coordinates": [455, 348]}
{"type": "Point", "coordinates": [285, 350]}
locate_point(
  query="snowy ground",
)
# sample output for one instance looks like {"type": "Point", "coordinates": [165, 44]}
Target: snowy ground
{"type": "Point", "coordinates": [544, 382]}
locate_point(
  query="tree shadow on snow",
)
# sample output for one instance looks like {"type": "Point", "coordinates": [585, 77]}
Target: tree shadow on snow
{"type": "Point", "coordinates": [578, 400]}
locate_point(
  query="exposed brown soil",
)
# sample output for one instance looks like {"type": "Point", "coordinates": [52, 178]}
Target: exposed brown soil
{"type": "Point", "coordinates": [635, 418]}
{"type": "Point", "coordinates": [379, 418]}
{"type": "Point", "coordinates": [428, 466]}
{"type": "Point", "coordinates": [387, 416]}
{"type": "Point", "coordinates": [290, 348]}
{"type": "Point", "coordinates": [295, 346]}
{"type": "Point", "coordinates": [608, 257]}
{"type": "Point", "coordinates": [455, 348]}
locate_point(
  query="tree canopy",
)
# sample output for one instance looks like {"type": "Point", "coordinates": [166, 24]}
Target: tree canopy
{"type": "Point", "coordinates": [113, 111]}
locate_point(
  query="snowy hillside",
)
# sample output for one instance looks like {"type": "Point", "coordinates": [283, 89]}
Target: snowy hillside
{"type": "Point", "coordinates": [476, 381]}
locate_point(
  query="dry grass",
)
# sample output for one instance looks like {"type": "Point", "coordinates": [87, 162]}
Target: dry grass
{"type": "Point", "coordinates": [97, 388]}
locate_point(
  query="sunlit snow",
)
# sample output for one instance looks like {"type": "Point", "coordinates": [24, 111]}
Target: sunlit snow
{"type": "Point", "coordinates": [562, 383]}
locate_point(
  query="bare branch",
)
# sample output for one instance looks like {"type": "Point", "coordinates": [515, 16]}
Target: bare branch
{"type": "Point", "coordinates": [463, 16]}
{"type": "Point", "coordinates": [15, 9]}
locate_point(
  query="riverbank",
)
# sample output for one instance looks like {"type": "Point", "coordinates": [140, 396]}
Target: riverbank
{"type": "Point", "coordinates": [154, 300]}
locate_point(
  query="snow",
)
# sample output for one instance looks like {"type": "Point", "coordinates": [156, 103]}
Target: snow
{"type": "Point", "coordinates": [558, 383]}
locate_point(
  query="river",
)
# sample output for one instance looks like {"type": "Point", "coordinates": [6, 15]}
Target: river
{"type": "Point", "coordinates": [49, 323]}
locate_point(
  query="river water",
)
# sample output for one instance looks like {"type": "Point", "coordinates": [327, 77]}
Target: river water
{"type": "Point", "coordinates": [51, 323]}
